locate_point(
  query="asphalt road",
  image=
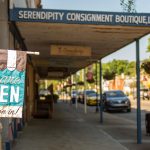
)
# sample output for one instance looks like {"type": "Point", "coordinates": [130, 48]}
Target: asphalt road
{"type": "Point", "coordinates": [145, 108]}
{"type": "Point", "coordinates": [122, 126]}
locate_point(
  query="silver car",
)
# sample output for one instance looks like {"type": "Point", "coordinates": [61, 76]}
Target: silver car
{"type": "Point", "coordinates": [116, 100]}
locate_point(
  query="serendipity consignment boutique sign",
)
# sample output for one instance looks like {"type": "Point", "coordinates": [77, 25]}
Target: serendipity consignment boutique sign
{"type": "Point", "coordinates": [79, 17]}
{"type": "Point", "coordinates": [12, 80]}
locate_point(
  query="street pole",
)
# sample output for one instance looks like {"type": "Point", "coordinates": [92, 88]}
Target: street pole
{"type": "Point", "coordinates": [76, 87]}
{"type": "Point", "coordinates": [85, 105]}
{"type": "Point", "coordinates": [70, 83]}
{"type": "Point", "coordinates": [100, 84]}
{"type": "Point", "coordinates": [97, 104]}
{"type": "Point", "coordinates": [139, 130]}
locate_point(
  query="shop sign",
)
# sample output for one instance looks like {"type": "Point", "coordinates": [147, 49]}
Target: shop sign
{"type": "Point", "coordinates": [79, 17]}
{"type": "Point", "coordinates": [65, 50]}
{"type": "Point", "coordinates": [12, 80]}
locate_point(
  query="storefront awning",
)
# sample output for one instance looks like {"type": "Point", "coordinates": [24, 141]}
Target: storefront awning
{"type": "Point", "coordinates": [102, 33]}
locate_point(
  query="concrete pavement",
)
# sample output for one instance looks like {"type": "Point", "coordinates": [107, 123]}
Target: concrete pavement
{"type": "Point", "coordinates": [70, 129]}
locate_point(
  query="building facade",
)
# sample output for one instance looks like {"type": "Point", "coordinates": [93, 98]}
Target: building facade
{"type": "Point", "coordinates": [10, 38]}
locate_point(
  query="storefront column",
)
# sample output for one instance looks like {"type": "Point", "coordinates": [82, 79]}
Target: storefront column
{"type": "Point", "coordinates": [85, 103]}
{"type": "Point", "coordinates": [96, 83]}
{"type": "Point", "coordinates": [100, 87]}
{"type": "Point", "coordinates": [4, 44]}
{"type": "Point", "coordinates": [4, 27]}
{"type": "Point", "coordinates": [76, 87]}
{"type": "Point", "coordinates": [139, 130]}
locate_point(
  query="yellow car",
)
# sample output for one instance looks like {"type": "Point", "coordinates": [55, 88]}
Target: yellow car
{"type": "Point", "coordinates": [92, 99]}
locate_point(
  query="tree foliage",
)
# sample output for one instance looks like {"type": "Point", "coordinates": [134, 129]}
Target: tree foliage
{"type": "Point", "coordinates": [148, 46]}
{"type": "Point", "coordinates": [146, 66]}
{"type": "Point", "coordinates": [146, 63]}
{"type": "Point", "coordinates": [108, 74]}
{"type": "Point", "coordinates": [118, 67]}
{"type": "Point", "coordinates": [128, 5]}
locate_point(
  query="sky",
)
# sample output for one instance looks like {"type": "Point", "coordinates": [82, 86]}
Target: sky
{"type": "Point", "coordinates": [128, 52]}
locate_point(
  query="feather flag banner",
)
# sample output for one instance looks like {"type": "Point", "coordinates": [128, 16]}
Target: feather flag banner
{"type": "Point", "coordinates": [12, 82]}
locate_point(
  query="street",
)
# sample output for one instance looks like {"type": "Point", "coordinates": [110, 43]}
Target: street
{"type": "Point", "coordinates": [145, 108]}
{"type": "Point", "coordinates": [122, 126]}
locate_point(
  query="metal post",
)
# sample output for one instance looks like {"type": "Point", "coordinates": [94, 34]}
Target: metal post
{"type": "Point", "coordinates": [97, 104]}
{"type": "Point", "coordinates": [70, 83]}
{"type": "Point", "coordinates": [85, 105]}
{"type": "Point", "coordinates": [101, 102]}
{"type": "Point", "coordinates": [63, 91]}
{"type": "Point", "coordinates": [76, 87]}
{"type": "Point", "coordinates": [139, 130]}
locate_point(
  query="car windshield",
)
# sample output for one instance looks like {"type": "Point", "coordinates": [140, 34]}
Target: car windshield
{"type": "Point", "coordinates": [44, 92]}
{"type": "Point", "coordinates": [92, 95]}
{"type": "Point", "coordinates": [115, 94]}
{"type": "Point", "coordinates": [90, 92]}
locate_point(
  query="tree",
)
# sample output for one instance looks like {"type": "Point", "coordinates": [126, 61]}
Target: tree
{"type": "Point", "coordinates": [130, 69]}
{"type": "Point", "coordinates": [148, 46]}
{"type": "Point", "coordinates": [128, 5]}
{"type": "Point", "coordinates": [146, 66]}
{"type": "Point", "coordinates": [109, 70]}
{"type": "Point", "coordinates": [118, 67]}
{"type": "Point", "coordinates": [146, 63]}
{"type": "Point", "coordinates": [108, 74]}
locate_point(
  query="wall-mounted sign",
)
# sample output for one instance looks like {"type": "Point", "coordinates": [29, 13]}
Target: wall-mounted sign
{"type": "Point", "coordinates": [55, 74]}
{"type": "Point", "coordinates": [65, 50]}
{"type": "Point", "coordinates": [12, 79]}
{"type": "Point", "coordinates": [79, 17]}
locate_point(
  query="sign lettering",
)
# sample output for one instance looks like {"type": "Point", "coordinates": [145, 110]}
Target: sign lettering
{"type": "Point", "coordinates": [79, 17]}
{"type": "Point", "coordinates": [12, 83]}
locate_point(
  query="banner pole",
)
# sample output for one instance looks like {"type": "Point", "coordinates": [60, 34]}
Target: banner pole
{"type": "Point", "coordinates": [33, 53]}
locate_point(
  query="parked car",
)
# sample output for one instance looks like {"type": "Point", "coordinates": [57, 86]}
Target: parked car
{"type": "Point", "coordinates": [93, 99]}
{"type": "Point", "coordinates": [82, 94]}
{"type": "Point", "coordinates": [43, 93]}
{"type": "Point", "coordinates": [116, 100]}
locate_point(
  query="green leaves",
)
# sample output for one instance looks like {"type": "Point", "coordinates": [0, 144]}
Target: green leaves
{"type": "Point", "coordinates": [146, 63]}
{"type": "Point", "coordinates": [109, 74]}
{"type": "Point", "coordinates": [128, 5]}
{"type": "Point", "coordinates": [118, 67]}
{"type": "Point", "coordinates": [148, 47]}
{"type": "Point", "coordinates": [146, 66]}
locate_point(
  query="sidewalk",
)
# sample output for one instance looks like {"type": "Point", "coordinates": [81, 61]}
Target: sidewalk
{"type": "Point", "coordinates": [70, 129]}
